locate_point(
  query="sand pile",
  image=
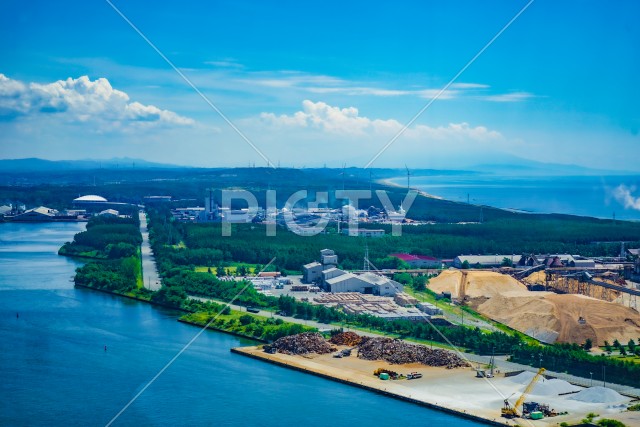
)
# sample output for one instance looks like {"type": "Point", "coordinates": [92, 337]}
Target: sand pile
{"type": "Point", "coordinates": [478, 284]}
{"type": "Point", "coordinates": [544, 387]}
{"type": "Point", "coordinates": [552, 317]}
{"type": "Point", "coordinates": [536, 278]}
{"type": "Point", "coordinates": [599, 395]}
{"type": "Point", "coordinates": [546, 316]}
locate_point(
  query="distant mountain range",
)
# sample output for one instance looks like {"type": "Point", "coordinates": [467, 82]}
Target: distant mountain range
{"type": "Point", "coordinates": [500, 165]}
{"type": "Point", "coordinates": [41, 165]}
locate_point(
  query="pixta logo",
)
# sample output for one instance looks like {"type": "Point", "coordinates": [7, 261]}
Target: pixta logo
{"type": "Point", "coordinates": [300, 201]}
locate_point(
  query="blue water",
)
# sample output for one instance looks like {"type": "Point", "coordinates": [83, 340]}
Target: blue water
{"type": "Point", "coordinates": [54, 370]}
{"type": "Point", "coordinates": [576, 195]}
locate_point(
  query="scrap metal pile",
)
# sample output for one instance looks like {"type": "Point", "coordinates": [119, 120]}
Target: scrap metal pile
{"type": "Point", "coordinates": [346, 338]}
{"type": "Point", "coordinates": [399, 352]}
{"type": "Point", "coordinates": [305, 343]}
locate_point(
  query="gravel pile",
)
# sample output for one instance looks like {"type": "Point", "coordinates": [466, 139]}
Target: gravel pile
{"type": "Point", "coordinates": [400, 352]}
{"type": "Point", "coordinates": [599, 395]}
{"type": "Point", "coordinates": [545, 387]}
{"type": "Point", "coordinates": [305, 343]}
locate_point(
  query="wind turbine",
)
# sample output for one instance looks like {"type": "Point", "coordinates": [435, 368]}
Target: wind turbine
{"type": "Point", "coordinates": [408, 177]}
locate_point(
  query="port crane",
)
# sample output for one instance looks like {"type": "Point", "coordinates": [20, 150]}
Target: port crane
{"type": "Point", "coordinates": [509, 411]}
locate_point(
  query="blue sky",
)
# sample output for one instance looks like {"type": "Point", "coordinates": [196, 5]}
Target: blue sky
{"type": "Point", "coordinates": [322, 83]}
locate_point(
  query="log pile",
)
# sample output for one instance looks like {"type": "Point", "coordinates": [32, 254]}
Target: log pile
{"type": "Point", "coordinates": [305, 343]}
{"type": "Point", "coordinates": [346, 338]}
{"type": "Point", "coordinates": [399, 352]}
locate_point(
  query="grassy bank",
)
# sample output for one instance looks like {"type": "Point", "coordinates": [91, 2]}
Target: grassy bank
{"type": "Point", "coordinates": [246, 325]}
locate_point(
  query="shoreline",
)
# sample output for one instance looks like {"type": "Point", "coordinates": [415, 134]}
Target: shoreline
{"type": "Point", "coordinates": [290, 363]}
{"type": "Point", "coordinates": [171, 307]}
{"type": "Point", "coordinates": [214, 328]}
{"type": "Point", "coordinates": [387, 182]}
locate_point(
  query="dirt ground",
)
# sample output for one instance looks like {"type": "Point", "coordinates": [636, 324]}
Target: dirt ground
{"type": "Point", "coordinates": [456, 389]}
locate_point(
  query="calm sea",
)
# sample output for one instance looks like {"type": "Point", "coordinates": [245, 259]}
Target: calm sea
{"type": "Point", "coordinates": [54, 370]}
{"type": "Point", "coordinates": [576, 195]}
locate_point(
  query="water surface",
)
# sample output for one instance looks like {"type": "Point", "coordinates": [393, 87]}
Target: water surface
{"type": "Point", "coordinates": [55, 372]}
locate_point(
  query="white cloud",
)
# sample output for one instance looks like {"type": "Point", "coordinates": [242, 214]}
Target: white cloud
{"type": "Point", "coordinates": [623, 194]}
{"type": "Point", "coordinates": [323, 84]}
{"type": "Point", "coordinates": [80, 100]}
{"type": "Point", "coordinates": [225, 63]}
{"type": "Point", "coordinates": [469, 86]}
{"type": "Point", "coordinates": [348, 121]}
{"type": "Point", "coordinates": [509, 97]}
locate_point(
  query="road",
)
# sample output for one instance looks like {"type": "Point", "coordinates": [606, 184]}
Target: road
{"type": "Point", "coordinates": [149, 269]}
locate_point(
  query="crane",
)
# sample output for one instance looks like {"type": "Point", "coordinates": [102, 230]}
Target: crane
{"type": "Point", "coordinates": [509, 411]}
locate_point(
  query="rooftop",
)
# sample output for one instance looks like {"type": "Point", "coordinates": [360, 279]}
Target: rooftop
{"type": "Point", "coordinates": [90, 198]}
{"type": "Point", "coordinates": [411, 257]}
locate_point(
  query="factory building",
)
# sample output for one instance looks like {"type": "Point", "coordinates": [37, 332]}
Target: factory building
{"type": "Point", "coordinates": [314, 271]}
{"type": "Point", "coordinates": [331, 273]}
{"type": "Point", "coordinates": [363, 232]}
{"type": "Point", "coordinates": [419, 261]}
{"type": "Point", "coordinates": [94, 204]}
{"type": "Point", "coordinates": [635, 254]}
{"type": "Point", "coordinates": [366, 283]}
{"type": "Point", "coordinates": [556, 261]}
{"type": "Point", "coordinates": [484, 260]}
{"type": "Point", "coordinates": [156, 200]}
{"type": "Point", "coordinates": [40, 214]}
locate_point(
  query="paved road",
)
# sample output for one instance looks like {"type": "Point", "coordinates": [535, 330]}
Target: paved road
{"type": "Point", "coordinates": [149, 269]}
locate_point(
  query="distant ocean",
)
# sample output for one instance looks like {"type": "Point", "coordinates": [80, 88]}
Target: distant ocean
{"type": "Point", "coordinates": [576, 195]}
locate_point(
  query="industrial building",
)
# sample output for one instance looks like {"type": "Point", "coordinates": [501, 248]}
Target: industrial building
{"type": "Point", "coordinates": [40, 214]}
{"type": "Point", "coordinates": [94, 204]}
{"type": "Point", "coordinates": [193, 214]}
{"type": "Point", "coordinates": [91, 203]}
{"type": "Point", "coordinates": [635, 254]}
{"type": "Point", "coordinates": [155, 200]}
{"type": "Point", "coordinates": [556, 261]}
{"type": "Point", "coordinates": [363, 232]}
{"type": "Point", "coordinates": [419, 261]}
{"type": "Point", "coordinates": [109, 212]}
{"type": "Point", "coordinates": [484, 260]}
{"type": "Point", "coordinates": [366, 283]}
{"type": "Point", "coordinates": [313, 272]}
{"type": "Point", "coordinates": [331, 273]}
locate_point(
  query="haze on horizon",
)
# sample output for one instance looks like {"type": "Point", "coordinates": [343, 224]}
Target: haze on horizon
{"type": "Point", "coordinates": [311, 85]}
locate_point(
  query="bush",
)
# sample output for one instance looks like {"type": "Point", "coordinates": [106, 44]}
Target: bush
{"type": "Point", "coordinates": [245, 319]}
{"type": "Point", "coordinates": [605, 422]}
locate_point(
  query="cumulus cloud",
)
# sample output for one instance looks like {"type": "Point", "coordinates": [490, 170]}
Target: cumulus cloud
{"type": "Point", "coordinates": [79, 100]}
{"type": "Point", "coordinates": [348, 121]}
{"type": "Point", "coordinates": [624, 195]}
